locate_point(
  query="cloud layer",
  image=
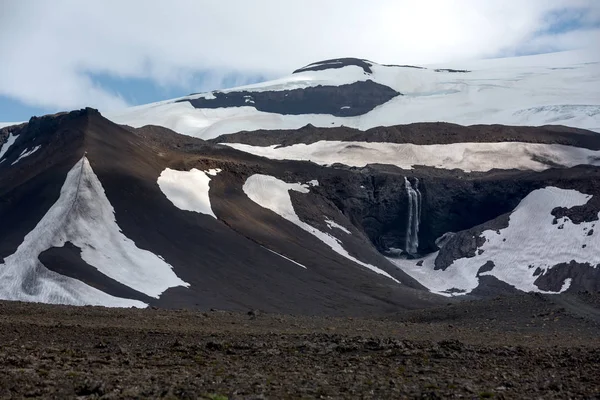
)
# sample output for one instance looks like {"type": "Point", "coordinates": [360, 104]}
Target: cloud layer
{"type": "Point", "coordinates": [51, 50]}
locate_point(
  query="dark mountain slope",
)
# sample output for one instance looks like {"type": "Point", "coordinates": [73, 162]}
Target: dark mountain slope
{"type": "Point", "coordinates": [225, 267]}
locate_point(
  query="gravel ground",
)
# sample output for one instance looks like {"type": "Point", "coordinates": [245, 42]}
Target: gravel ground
{"type": "Point", "coordinates": [528, 346]}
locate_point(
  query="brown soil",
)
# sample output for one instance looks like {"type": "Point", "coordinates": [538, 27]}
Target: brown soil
{"type": "Point", "coordinates": [527, 346]}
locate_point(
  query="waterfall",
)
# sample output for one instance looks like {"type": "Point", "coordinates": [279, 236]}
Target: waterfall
{"type": "Point", "coordinates": [414, 216]}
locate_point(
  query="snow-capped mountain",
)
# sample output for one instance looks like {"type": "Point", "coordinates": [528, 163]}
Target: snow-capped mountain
{"type": "Point", "coordinates": [557, 89]}
{"type": "Point", "coordinates": [307, 195]}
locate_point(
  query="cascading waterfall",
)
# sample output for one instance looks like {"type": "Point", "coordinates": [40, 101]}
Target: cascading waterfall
{"type": "Point", "coordinates": [414, 216]}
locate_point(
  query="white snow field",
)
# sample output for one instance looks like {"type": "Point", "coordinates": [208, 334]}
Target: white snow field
{"type": "Point", "coordinates": [83, 216]}
{"type": "Point", "coordinates": [188, 190]}
{"type": "Point", "coordinates": [559, 88]}
{"type": "Point", "coordinates": [530, 241]}
{"type": "Point", "coordinates": [4, 147]}
{"type": "Point", "coordinates": [273, 194]}
{"type": "Point", "coordinates": [465, 156]}
{"type": "Point", "coordinates": [26, 153]}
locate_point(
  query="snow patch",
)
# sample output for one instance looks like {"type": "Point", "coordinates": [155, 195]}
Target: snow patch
{"type": "Point", "coordinates": [213, 171]}
{"type": "Point", "coordinates": [332, 224]}
{"type": "Point", "coordinates": [188, 190]}
{"type": "Point", "coordinates": [529, 242]}
{"type": "Point", "coordinates": [465, 156]}
{"type": "Point", "coordinates": [273, 194]}
{"type": "Point", "coordinates": [9, 142]}
{"type": "Point", "coordinates": [83, 216]}
{"type": "Point", "coordinates": [282, 256]}
{"type": "Point", "coordinates": [26, 153]}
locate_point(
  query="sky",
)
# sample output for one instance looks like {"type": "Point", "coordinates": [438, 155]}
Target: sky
{"type": "Point", "coordinates": [109, 54]}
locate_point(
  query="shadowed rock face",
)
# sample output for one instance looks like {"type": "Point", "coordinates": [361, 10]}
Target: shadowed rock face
{"type": "Point", "coordinates": [341, 101]}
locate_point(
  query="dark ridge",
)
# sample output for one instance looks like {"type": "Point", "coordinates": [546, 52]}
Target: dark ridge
{"type": "Point", "coordinates": [67, 261]}
{"type": "Point", "coordinates": [403, 66]}
{"type": "Point", "coordinates": [462, 71]}
{"type": "Point", "coordinates": [336, 63]}
{"type": "Point", "coordinates": [342, 101]}
{"type": "Point", "coordinates": [38, 131]}
{"type": "Point", "coordinates": [584, 277]}
{"type": "Point", "coordinates": [490, 286]}
{"type": "Point", "coordinates": [422, 134]}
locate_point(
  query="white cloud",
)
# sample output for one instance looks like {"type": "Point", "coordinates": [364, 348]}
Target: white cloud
{"type": "Point", "coordinates": [49, 47]}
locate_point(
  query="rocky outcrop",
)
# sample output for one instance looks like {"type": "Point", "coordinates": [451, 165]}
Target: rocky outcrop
{"type": "Point", "coordinates": [341, 101]}
{"type": "Point", "coordinates": [463, 71]}
{"type": "Point", "coordinates": [465, 244]}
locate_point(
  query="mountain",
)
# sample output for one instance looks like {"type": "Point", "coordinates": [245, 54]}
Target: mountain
{"type": "Point", "coordinates": [306, 195]}
{"type": "Point", "coordinates": [559, 89]}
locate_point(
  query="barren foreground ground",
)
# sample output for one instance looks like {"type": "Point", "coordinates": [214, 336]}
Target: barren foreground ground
{"type": "Point", "coordinates": [528, 346]}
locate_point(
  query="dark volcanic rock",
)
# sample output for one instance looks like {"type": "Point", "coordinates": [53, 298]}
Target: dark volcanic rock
{"type": "Point", "coordinates": [578, 214]}
{"type": "Point", "coordinates": [403, 66]}
{"type": "Point", "coordinates": [463, 71]}
{"type": "Point", "coordinates": [341, 101]}
{"type": "Point", "coordinates": [337, 63]}
{"type": "Point", "coordinates": [464, 244]}
{"type": "Point", "coordinates": [490, 286]}
{"type": "Point", "coordinates": [583, 277]}
{"type": "Point", "coordinates": [487, 267]}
